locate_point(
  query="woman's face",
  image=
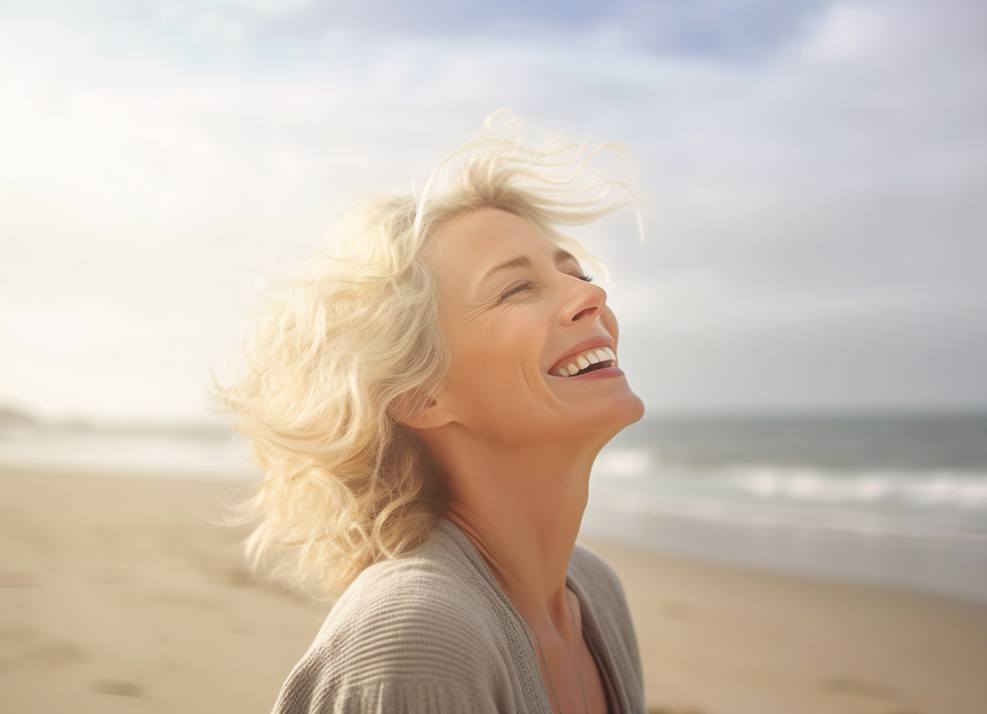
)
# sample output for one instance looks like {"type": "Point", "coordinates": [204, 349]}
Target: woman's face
{"type": "Point", "coordinates": [509, 329]}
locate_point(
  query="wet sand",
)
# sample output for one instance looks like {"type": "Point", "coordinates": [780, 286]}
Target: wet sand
{"type": "Point", "coordinates": [119, 595]}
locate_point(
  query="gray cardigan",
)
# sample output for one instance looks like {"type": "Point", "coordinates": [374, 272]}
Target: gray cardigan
{"type": "Point", "coordinates": [433, 631]}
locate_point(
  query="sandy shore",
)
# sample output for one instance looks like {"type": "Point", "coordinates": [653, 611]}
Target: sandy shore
{"type": "Point", "coordinates": [118, 595]}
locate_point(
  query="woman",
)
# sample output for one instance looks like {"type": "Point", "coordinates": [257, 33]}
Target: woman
{"type": "Point", "coordinates": [427, 405]}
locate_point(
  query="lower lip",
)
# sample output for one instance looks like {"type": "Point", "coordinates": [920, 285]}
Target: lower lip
{"type": "Point", "coordinates": [598, 374]}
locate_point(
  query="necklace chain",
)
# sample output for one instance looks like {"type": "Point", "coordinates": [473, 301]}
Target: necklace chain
{"type": "Point", "coordinates": [545, 661]}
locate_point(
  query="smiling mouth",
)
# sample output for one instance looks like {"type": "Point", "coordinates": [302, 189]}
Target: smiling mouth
{"type": "Point", "coordinates": [601, 371]}
{"type": "Point", "coordinates": [589, 360]}
{"type": "Point", "coordinates": [595, 367]}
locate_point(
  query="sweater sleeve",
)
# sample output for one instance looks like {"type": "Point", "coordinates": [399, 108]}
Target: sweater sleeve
{"type": "Point", "coordinates": [306, 695]}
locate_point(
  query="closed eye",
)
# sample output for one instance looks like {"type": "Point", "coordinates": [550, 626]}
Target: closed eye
{"type": "Point", "coordinates": [527, 284]}
{"type": "Point", "coordinates": [516, 289]}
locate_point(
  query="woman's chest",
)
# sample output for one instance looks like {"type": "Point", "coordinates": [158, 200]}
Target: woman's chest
{"type": "Point", "coordinates": [578, 684]}
{"type": "Point", "coordinates": [596, 689]}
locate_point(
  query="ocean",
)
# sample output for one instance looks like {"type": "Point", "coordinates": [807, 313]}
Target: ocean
{"type": "Point", "coordinates": [893, 499]}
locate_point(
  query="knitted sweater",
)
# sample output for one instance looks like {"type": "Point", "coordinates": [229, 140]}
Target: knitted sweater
{"type": "Point", "coordinates": [433, 631]}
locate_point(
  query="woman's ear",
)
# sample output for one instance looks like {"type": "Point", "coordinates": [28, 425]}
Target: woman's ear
{"type": "Point", "coordinates": [428, 416]}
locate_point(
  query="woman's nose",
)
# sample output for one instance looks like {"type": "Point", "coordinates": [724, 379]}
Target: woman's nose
{"type": "Point", "coordinates": [585, 302]}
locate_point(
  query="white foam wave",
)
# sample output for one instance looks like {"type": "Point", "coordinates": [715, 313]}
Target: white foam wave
{"type": "Point", "coordinates": [806, 517]}
{"type": "Point", "coordinates": [625, 462]}
{"type": "Point", "coordinates": [960, 489]}
{"type": "Point", "coordinates": [129, 455]}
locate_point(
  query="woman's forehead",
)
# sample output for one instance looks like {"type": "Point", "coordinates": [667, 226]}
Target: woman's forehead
{"type": "Point", "coordinates": [475, 241]}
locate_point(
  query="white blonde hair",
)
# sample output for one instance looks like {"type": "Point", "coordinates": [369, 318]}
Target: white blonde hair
{"type": "Point", "coordinates": [338, 351]}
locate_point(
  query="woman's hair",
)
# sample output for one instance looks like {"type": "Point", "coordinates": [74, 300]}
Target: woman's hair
{"type": "Point", "coordinates": [338, 352]}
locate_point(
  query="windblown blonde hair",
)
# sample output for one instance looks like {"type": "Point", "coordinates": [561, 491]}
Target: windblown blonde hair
{"type": "Point", "coordinates": [338, 352]}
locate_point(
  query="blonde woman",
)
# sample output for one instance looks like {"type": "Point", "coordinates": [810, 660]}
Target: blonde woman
{"type": "Point", "coordinates": [426, 403]}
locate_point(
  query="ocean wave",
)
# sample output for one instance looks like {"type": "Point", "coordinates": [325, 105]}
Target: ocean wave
{"type": "Point", "coordinates": [789, 516]}
{"type": "Point", "coordinates": [964, 490]}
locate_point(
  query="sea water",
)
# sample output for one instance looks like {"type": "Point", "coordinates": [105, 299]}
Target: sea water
{"type": "Point", "coordinates": [895, 499]}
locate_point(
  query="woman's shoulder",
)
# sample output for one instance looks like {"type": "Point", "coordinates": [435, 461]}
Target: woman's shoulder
{"type": "Point", "coordinates": [412, 589]}
{"type": "Point", "coordinates": [408, 627]}
{"type": "Point", "coordinates": [410, 600]}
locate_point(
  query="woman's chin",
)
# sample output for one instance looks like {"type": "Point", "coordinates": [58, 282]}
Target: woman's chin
{"type": "Point", "coordinates": [612, 398]}
{"type": "Point", "coordinates": [631, 409]}
{"type": "Point", "coordinates": [615, 413]}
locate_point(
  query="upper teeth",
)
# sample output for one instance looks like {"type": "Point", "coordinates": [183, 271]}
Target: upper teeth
{"type": "Point", "coordinates": [584, 360]}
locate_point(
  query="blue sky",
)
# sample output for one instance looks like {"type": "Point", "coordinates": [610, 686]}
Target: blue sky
{"type": "Point", "coordinates": [813, 176]}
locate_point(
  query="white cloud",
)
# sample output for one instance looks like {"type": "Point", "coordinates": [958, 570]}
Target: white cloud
{"type": "Point", "coordinates": [848, 32]}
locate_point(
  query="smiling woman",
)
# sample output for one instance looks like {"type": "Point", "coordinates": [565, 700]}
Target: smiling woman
{"type": "Point", "coordinates": [426, 403]}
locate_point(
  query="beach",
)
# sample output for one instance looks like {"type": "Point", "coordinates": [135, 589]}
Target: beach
{"type": "Point", "coordinates": [121, 594]}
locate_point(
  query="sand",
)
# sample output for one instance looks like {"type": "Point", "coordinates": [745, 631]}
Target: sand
{"type": "Point", "coordinates": [118, 595]}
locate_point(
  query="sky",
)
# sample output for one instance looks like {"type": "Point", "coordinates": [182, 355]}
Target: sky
{"type": "Point", "coordinates": [812, 178]}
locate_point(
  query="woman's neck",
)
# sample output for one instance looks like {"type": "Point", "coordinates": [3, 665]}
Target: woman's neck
{"type": "Point", "coordinates": [523, 515]}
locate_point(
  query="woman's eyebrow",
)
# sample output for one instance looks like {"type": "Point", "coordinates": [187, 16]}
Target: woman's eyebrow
{"type": "Point", "coordinates": [523, 260]}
